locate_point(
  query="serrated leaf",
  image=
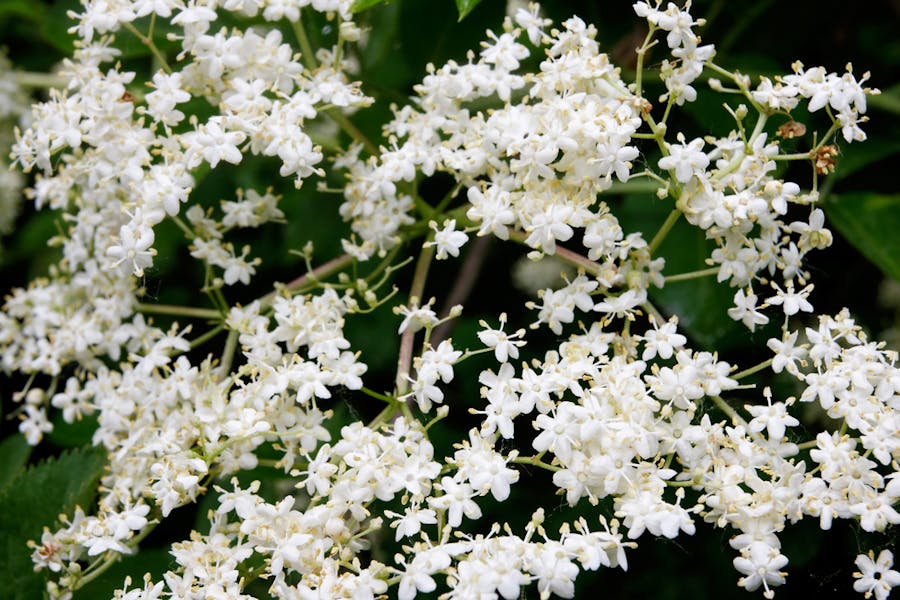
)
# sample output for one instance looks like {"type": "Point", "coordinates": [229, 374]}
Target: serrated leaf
{"type": "Point", "coordinates": [465, 7]}
{"type": "Point", "coordinates": [870, 222]}
{"type": "Point", "coordinates": [14, 453]}
{"type": "Point", "coordinates": [34, 500]}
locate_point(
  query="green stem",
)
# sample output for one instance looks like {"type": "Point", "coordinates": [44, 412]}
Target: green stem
{"type": "Point", "coordinates": [423, 207]}
{"type": "Point", "coordinates": [386, 413]}
{"type": "Point", "coordinates": [835, 125]}
{"type": "Point", "coordinates": [740, 81]}
{"type": "Point", "coordinates": [352, 130]}
{"type": "Point", "coordinates": [39, 80]}
{"type": "Point", "coordinates": [228, 352]}
{"type": "Point", "coordinates": [306, 50]}
{"type": "Point", "coordinates": [634, 187]}
{"type": "Point", "coordinates": [664, 230]}
{"type": "Point", "coordinates": [653, 312]}
{"type": "Point", "coordinates": [692, 275]}
{"type": "Point", "coordinates": [807, 445]}
{"type": "Point", "coordinates": [185, 229]}
{"type": "Point", "coordinates": [534, 461]}
{"type": "Point", "coordinates": [323, 271]}
{"type": "Point", "coordinates": [795, 156]}
{"type": "Point", "coordinates": [374, 394]}
{"type": "Point", "coordinates": [639, 65]}
{"type": "Point", "coordinates": [728, 410]}
{"type": "Point", "coordinates": [404, 360]}
{"type": "Point", "coordinates": [178, 311]}
{"type": "Point", "coordinates": [309, 59]}
{"type": "Point", "coordinates": [758, 127]}
{"type": "Point", "coordinates": [668, 109]}
{"type": "Point", "coordinates": [148, 41]}
{"type": "Point", "coordinates": [573, 258]}
{"type": "Point", "coordinates": [199, 341]}
{"type": "Point", "coordinates": [448, 198]}
{"type": "Point", "coordinates": [755, 369]}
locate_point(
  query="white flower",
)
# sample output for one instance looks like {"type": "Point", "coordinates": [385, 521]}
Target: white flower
{"type": "Point", "coordinates": [213, 143]}
{"type": "Point", "coordinates": [416, 317]}
{"type": "Point", "coordinates": [744, 310]}
{"type": "Point", "coordinates": [662, 340]}
{"type": "Point", "coordinates": [492, 209]}
{"type": "Point", "coordinates": [133, 252]}
{"type": "Point", "coordinates": [532, 22]}
{"type": "Point", "coordinates": [791, 302]}
{"type": "Point", "coordinates": [456, 500]}
{"type": "Point", "coordinates": [35, 424]}
{"type": "Point", "coordinates": [875, 577]}
{"type": "Point", "coordinates": [505, 345]}
{"type": "Point", "coordinates": [678, 23]}
{"type": "Point", "coordinates": [787, 354]}
{"type": "Point", "coordinates": [484, 467]}
{"type": "Point", "coordinates": [505, 52]}
{"type": "Point", "coordinates": [168, 93]}
{"type": "Point", "coordinates": [448, 240]}
{"type": "Point", "coordinates": [411, 521]}
{"type": "Point", "coordinates": [812, 234]}
{"type": "Point", "coordinates": [760, 563]}
{"type": "Point", "coordinates": [686, 160]}
{"type": "Point", "coordinates": [417, 575]}
{"type": "Point", "coordinates": [774, 418]}
{"type": "Point", "coordinates": [623, 305]}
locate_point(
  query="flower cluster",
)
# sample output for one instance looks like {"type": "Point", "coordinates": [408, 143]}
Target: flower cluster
{"type": "Point", "coordinates": [647, 434]}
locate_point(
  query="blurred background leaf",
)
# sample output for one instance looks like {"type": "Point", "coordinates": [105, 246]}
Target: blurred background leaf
{"type": "Point", "coordinates": [465, 7]}
{"type": "Point", "coordinates": [871, 223]}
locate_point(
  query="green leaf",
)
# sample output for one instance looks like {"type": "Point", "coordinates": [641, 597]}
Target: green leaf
{"type": "Point", "coordinates": [14, 453]}
{"type": "Point", "coordinates": [888, 100]}
{"type": "Point", "coordinates": [18, 9]}
{"type": "Point", "coordinates": [855, 157]}
{"type": "Point", "coordinates": [870, 222]}
{"type": "Point", "coordinates": [73, 435]}
{"type": "Point", "coordinates": [465, 7]}
{"type": "Point", "coordinates": [361, 5]}
{"type": "Point", "coordinates": [34, 500]}
{"type": "Point", "coordinates": [54, 29]}
{"type": "Point", "coordinates": [701, 304]}
{"type": "Point", "coordinates": [375, 336]}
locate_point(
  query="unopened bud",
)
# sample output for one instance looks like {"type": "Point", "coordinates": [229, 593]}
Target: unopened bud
{"type": "Point", "coordinates": [349, 31]}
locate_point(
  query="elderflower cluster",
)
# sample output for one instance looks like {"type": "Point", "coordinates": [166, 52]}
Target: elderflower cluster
{"type": "Point", "coordinates": [645, 433]}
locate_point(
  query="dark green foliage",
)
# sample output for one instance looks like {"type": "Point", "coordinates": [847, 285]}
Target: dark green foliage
{"type": "Point", "coordinates": [14, 453]}
{"type": "Point", "coordinates": [871, 223]}
{"type": "Point", "coordinates": [35, 499]}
